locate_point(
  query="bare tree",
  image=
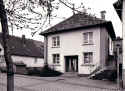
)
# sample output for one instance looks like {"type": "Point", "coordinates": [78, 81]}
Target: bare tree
{"type": "Point", "coordinates": [26, 14]}
{"type": "Point", "coordinates": [10, 73]}
{"type": "Point", "coordinates": [15, 18]}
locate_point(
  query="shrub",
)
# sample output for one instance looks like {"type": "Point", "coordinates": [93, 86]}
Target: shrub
{"type": "Point", "coordinates": [43, 72]}
{"type": "Point", "coordinates": [33, 70]}
{"type": "Point", "coordinates": [48, 72]}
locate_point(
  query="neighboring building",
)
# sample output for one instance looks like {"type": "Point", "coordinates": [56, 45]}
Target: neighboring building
{"type": "Point", "coordinates": [79, 44]}
{"type": "Point", "coordinates": [23, 51]}
{"type": "Point", "coordinates": [120, 9]}
{"type": "Point", "coordinates": [118, 45]}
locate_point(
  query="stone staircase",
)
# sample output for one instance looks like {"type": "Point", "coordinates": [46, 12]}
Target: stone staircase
{"type": "Point", "coordinates": [104, 73]}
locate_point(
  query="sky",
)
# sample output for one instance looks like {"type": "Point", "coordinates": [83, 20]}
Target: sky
{"type": "Point", "coordinates": [95, 5]}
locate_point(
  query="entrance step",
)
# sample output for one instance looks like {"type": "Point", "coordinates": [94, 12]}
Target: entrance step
{"type": "Point", "coordinates": [70, 74]}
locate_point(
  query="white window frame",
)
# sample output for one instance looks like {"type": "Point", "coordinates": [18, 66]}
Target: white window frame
{"type": "Point", "coordinates": [56, 58]}
{"type": "Point", "coordinates": [56, 41]}
{"type": "Point", "coordinates": [88, 57]}
{"type": "Point", "coordinates": [88, 38]}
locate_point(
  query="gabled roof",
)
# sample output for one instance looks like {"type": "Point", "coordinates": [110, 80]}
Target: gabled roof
{"type": "Point", "coordinates": [24, 47]}
{"type": "Point", "coordinates": [118, 6]}
{"type": "Point", "coordinates": [78, 21]}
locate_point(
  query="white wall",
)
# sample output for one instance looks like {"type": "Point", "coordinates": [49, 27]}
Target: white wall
{"type": "Point", "coordinates": [29, 61]}
{"type": "Point", "coordinates": [71, 43]}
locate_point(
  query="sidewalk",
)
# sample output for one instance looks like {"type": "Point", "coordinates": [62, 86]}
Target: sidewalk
{"type": "Point", "coordinates": [34, 83]}
{"type": "Point", "coordinates": [3, 87]}
{"type": "Point", "coordinates": [81, 81]}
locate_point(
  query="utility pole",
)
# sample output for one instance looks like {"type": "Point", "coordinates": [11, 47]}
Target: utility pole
{"type": "Point", "coordinates": [118, 78]}
{"type": "Point", "coordinates": [123, 35]}
{"type": "Point", "coordinates": [119, 63]}
{"type": "Point", "coordinates": [7, 56]}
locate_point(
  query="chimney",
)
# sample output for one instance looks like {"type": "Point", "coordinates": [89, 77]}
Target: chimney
{"type": "Point", "coordinates": [23, 39]}
{"type": "Point", "coordinates": [73, 9]}
{"type": "Point", "coordinates": [103, 14]}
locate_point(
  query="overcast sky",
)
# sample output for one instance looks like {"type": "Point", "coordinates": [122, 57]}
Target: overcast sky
{"type": "Point", "coordinates": [95, 5]}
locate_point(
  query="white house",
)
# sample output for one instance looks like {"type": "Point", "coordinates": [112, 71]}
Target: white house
{"type": "Point", "coordinates": [79, 44]}
{"type": "Point", "coordinates": [26, 51]}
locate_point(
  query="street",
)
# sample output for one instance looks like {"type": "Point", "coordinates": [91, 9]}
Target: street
{"type": "Point", "coordinates": [32, 83]}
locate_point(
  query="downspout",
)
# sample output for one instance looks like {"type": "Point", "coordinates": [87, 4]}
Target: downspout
{"type": "Point", "coordinates": [45, 50]}
{"type": "Point", "coordinates": [100, 63]}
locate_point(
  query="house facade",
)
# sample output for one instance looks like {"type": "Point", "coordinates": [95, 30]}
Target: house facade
{"type": "Point", "coordinates": [79, 44]}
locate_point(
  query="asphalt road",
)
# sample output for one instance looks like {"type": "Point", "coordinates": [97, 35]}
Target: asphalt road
{"type": "Point", "coordinates": [29, 83]}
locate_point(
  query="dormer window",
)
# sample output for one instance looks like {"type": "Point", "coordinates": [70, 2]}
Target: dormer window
{"type": "Point", "coordinates": [88, 38]}
{"type": "Point", "coordinates": [56, 41]}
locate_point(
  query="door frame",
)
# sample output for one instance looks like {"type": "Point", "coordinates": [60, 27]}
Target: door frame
{"type": "Point", "coordinates": [71, 56]}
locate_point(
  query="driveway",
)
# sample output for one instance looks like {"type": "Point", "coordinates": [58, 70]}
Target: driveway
{"type": "Point", "coordinates": [32, 83]}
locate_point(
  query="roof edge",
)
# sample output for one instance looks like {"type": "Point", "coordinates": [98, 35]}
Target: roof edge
{"type": "Point", "coordinates": [44, 33]}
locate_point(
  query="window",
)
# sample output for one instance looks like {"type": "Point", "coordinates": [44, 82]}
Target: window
{"type": "Point", "coordinates": [88, 57]}
{"type": "Point", "coordinates": [56, 58]}
{"type": "Point", "coordinates": [88, 37]}
{"type": "Point", "coordinates": [56, 41]}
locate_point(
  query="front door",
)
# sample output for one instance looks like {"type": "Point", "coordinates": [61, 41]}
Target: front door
{"type": "Point", "coordinates": [71, 63]}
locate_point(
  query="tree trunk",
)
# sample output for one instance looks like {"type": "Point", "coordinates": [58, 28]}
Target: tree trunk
{"type": "Point", "coordinates": [8, 60]}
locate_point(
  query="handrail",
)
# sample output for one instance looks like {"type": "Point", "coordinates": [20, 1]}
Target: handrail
{"type": "Point", "coordinates": [96, 68]}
